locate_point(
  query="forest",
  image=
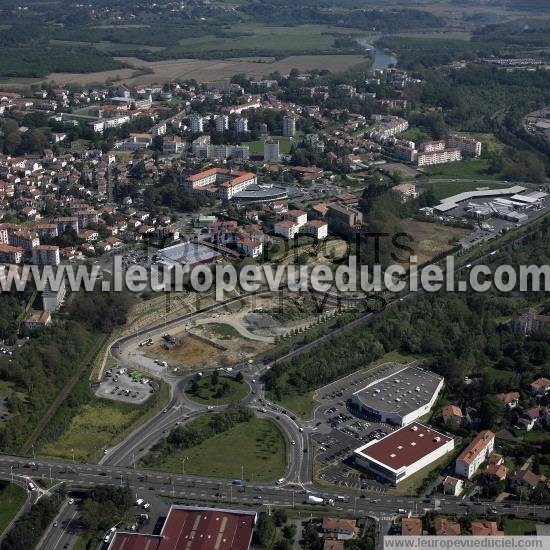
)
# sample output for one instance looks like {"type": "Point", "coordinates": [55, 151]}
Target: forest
{"type": "Point", "coordinates": [44, 364]}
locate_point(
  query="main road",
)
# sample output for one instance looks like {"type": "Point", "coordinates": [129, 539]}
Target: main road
{"type": "Point", "coordinates": [215, 491]}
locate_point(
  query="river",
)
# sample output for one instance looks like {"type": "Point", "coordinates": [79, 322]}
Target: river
{"type": "Point", "coordinates": [382, 59]}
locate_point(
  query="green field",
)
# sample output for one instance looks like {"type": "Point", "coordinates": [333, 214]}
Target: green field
{"type": "Point", "coordinates": [260, 38]}
{"type": "Point", "coordinates": [257, 147]}
{"type": "Point", "coordinates": [110, 47]}
{"type": "Point", "coordinates": [223, 330]}
{"type": "Point", "coordinates": [101, 424]}
{"type": "Point", "coordinates": [12, 498]}
{"type": "Point", "coordinates": [301, 404]}
{"type": "Point", "coordinates": [444, 190]}
{"type": "Point", "coordinates": [519, 526]}
{"type": "Point", "coordinates": [207, 392]}
{"type": "Point", "coordinates": [466, 169]}
{"type": "Point", "coordinates": [258, 445]}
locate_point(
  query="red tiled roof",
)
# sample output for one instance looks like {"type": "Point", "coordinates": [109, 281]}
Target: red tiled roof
{"type": "Point", "coordinates": [411, 526]}
{"type": "Point", "coordinates": [477, 446]}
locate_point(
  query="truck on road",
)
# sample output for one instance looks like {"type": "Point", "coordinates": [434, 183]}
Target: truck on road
{"type": "Point", "coordinates": [312, 499]}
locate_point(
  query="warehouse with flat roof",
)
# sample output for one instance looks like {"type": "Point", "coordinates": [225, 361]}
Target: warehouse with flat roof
{"type": "Point", "coordinates": [194, 528]}
{"type": "Point", "coordinates": [403, 452]}
{"type": "Point", "coordinates": [401, 397]}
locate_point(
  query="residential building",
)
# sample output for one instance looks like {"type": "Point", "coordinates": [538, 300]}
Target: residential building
{"type": "Point", "coordinates": [53, 298]}
{"type": "Point", "coordinates": [530, 417]}
{"type": "Point", "coordinates": [526, 478]}
{"type": "Point", "coordinates": [289, 126]}
{"type": "Point", "coordinates": [221, 122]}
{"type": "Point", "coordinates": [342, 215]}
{"type": "Point", "coordinates": [510, 400]}
{"type": "Point", "coordinates": [241, 125]}
{"type": "Point", "coordinates": [528, 321]}
{"type": "Point", "coordinates": [296, 216]}
{"type": "Point", "coordinates": [317, 229]}
{"type": "Point", "coordinates": [173, 145]}
{"type": "Point", "coordinates": [475, 454]}
{"type": "Point", "coordinates": [271, 150]}
{"type": "Point", "coordinates": [286, 228]}
{"type": "Point", "coordinates": [38, 320]}
{"type": "Point", "coordinates": [486, 529]}
{"type": "Point", "coordinates": [469, 147]}
{"type": "Point", "coordinates": [66, 222]}
{"type": "Point", "coordinates": [339, 528]}
{"type": "Point", "coordinates": [404, 452]}
{"type": "Point", "coordinates": [46, 254]}
{"type": "Point", "coordinates": [452, 415]}
{"type": "Point", "coordinates": [411, 527]}
{"type": "Point", "coordinates": [425, 158]}
{"type": "Point", "coordinates": [445, 526]}
{"type": "Point", "coordinates": [196, 124]}
{"type": "Point", "coordinates": [25, 239]}
{"type": "Point", "coordinates": [11, 254]}
{"type": "Point", "coordinates": [406, 191]}
{"type": "Point", "coordinates": [541, 386]}
{"type": "Point", "coordinates": [220, 182]}
{"type": "Point", "coordinates": [452, 486]}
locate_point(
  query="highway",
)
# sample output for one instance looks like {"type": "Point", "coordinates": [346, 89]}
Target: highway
{"type": "Point", "coordinates": [215, 491]}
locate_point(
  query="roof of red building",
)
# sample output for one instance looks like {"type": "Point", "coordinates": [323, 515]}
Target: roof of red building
{"type": "Point", "coordinates": [478, 444]}
{"type": "Point", "coordinates": [194, 529]}
{"type": "Point", "coordinates": [405, 446]}
{"type": "Point", "coordinates": [411, 526]}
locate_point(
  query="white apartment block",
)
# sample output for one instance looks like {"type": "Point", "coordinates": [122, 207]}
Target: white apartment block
{"type": "Point", "coordinates": [221, 122]}
{"type": "Point", "coordinates": [45, 254]}
{"type": "Point", "coordinates": [27, 240]}
{"type": "Point", "coordinates": [271, 151]}
{"type": "Point", "coordinates": [297, 217]}
{"type": "Point", "coordinates": [438, 157]}
{"type": "Point", "coordinates": [222, 183]}
{"type": "Point", "coordinates": [196, 124]}
{"type": "Point", "coordinates": [317, 229]}
{"type": "Point", "coordinates": [475, 454]}
{"type": "Point", "coordinates": [287, 229]}
{"type": "Point", "coordinates": [433, 146]}
{"type": "Point", "coordinates": [389, 127]}
{"type": "Point", "coordinates": [468, 146]}
{"type": "Point", "coordinates": [250, 247]}
{"type": "Point", "coordinates": [289, 126]}
{"type": "Point", "coordinates": [241, 125]}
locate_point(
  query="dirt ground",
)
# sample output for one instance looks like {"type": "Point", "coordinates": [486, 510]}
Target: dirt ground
{"type": "Point", "coordinates": [217, 342]}
{"type": "Point", "coordinates": [205, 69]}
{"type": "Point", "coordinates": [431, 239]}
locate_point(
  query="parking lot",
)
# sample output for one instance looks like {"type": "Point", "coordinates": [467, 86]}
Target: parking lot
{"type": "Point", "coordinates": [120, 385]}
{"type": "Point", "coordinates": [339, 430]}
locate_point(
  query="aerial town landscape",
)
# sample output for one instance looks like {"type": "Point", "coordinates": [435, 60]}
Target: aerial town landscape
{"type": "Point", "coordinates": [180, 140]}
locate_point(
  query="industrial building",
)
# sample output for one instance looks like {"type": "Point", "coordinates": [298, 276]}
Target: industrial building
{"type": "Point", "coordinates": [403, 452]}
{"type": "Point", "coordinates": [194, 528]}
{"type": "Point", "coordinates": [188, 254]}
{"type": "Point", "coordinates": [399, 398]}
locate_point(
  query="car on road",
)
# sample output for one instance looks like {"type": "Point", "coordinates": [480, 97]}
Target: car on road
{"type": "Point", "coordinates": [71, 501]}
{"type": "Point", "coordinates": [293, 442]}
